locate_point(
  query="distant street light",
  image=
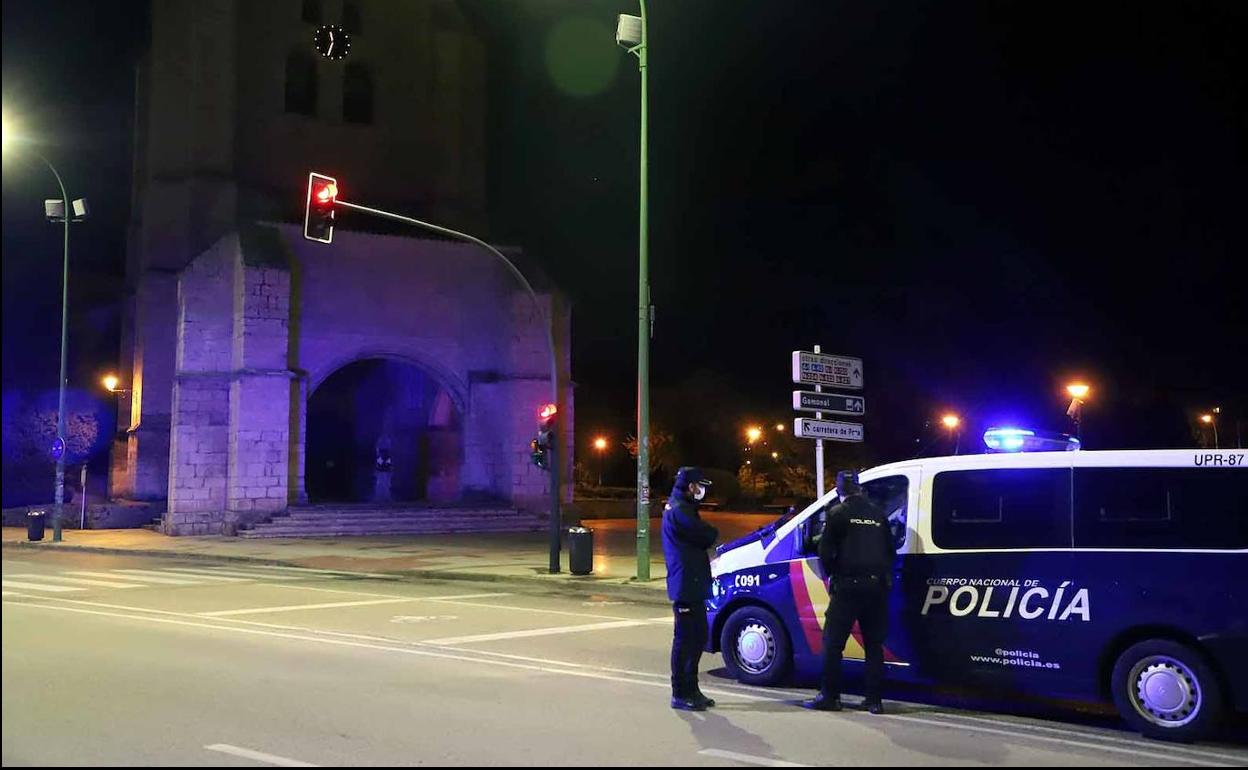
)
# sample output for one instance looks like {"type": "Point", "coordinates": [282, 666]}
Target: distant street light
{"type": "Point", "coordinates": [753, 434]}
{"type": "Point", "coordinates": [952, 422]}
{"type": "Point", "coordinates": [1078, 396]}
{"type": "Point", "coordinates": [1212, 421]}
{"type": "Point", "coordinates": [600, 445]}
{"type": "Point", "coordinates": [57, 211]}
{"type": "Point", "coordinates": [780, 427]}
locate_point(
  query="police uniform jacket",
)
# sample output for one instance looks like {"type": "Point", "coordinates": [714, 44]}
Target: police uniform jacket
{"type": "Point", "coordinates": [685, 540]}
{"type": "Point", "coordinates": [857, 541]}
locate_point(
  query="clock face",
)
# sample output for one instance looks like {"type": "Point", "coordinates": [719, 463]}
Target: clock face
{"type": "Point", "coordinates": [332, 42]}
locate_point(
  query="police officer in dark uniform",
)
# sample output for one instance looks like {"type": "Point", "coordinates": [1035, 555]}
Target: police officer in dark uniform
{"type": "Point", "coordinates": [857, 554]}
{"type": "Point", "coordinates": [685, 540]}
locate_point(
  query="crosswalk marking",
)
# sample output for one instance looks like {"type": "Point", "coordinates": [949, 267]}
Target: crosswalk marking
{"type": "Point", "coordinates": [329, 572]}
{"type": "Point", "coordinates": [40, 587]}
{"type": "Point", "coordinates": [189, 574]}
{"type": "Point", "coordinates": [76, 580]}
{"type": "Point", "coordinates": [149, 576]}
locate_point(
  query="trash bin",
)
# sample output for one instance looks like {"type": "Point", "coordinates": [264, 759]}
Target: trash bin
{"type": "Point", "coordinates": [580, 550]}
{"type": "Point", "coordinates": [34, 525]}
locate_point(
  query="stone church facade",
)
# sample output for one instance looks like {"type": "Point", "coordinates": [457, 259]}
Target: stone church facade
{"type": "Point", "coordinates": [263, 369]}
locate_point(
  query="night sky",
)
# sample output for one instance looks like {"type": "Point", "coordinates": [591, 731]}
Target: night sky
{"type": "Point", "coordinates": [981, 200]}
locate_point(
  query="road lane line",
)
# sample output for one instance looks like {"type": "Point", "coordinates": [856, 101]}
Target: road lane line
{"type": "Point", "coordinates": [259, 756]}
{"type": "Point", "coordinates": [189, 574]}
{"type": "Point", "coordinates": [78, 581]}
{"type": "Point", "coordinates": [1150, 754]}
{"type": "Point", "coordinates": [748, 759]}
{"type": "Point", "coordinates": [300, 607]}
{"type": "Point", "coordinates": [1152, 750]}
{"type": "Point", "coordinates": [146, 576]}
{"type": "Point", "coordinates": [451, 600]}
{"type": "Point", "coordinates": [1068, 731]}
{"type": "Point", "coordinates": [453, 640]}
{"type": "Point", "coordinates": [311, 571]}
{"type": "Point", "coordinates": [39, 587]}
{"type": "Point", "coordinates": [238, 573]}
{"type": "Point", "coordinates": [383, 596]}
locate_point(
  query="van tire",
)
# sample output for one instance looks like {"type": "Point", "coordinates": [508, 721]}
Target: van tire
{"type": "Point", "coordinates": [1183, 701]}
{"type": "Point", "coordinates": [756, 647]}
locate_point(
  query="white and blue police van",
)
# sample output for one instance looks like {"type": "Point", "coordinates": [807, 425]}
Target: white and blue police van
{"type": "Point", "coordinates": [1087, 575]}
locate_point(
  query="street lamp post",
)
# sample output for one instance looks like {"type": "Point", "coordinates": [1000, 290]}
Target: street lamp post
{"type": "Point", "coordinates": [600, 445]}
{"type": "Point", "coordinates": [1078, 394]}
{"type": "Point", "coordinates": [1212, 421]}
{"type": "Point", "coordinates": [953, 424]}
{"type": "Point", "coordinates": [61, 446]}
{"type": "Point", "coordinates": [631, 33]}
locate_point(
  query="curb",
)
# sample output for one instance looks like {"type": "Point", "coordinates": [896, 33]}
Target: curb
{"type": "Point", "coordinates": [575, 585]}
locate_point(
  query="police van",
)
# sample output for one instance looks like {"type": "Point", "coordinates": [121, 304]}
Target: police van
{"type": "Point", "coordinates": [1116, 575]}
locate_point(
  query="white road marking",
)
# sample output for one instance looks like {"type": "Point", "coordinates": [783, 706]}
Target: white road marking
{"type": "Point", "coordinates": [1151, 750]}
{"type": "Point", "coordinates": [259, 756]}
{"type": "Point", "coordinates": [421, 618]}
{"type": "Point", "coordinates": [237, 573]}
{"type": "Point", "coordinates": [311, 571]}
{"type": "Point", "coordinates": [78, 581]}
{"type": "Point", "coordinates": [452, 640]}
{"type": "Point", "coordinates": [454, 600]}
{"type": "Point", "coordinates": [748, 759]}
{"type": "Point", "coordinates": [389, 596]}
{"type": "Point", "coordinates": [192, 574]}
{"type": "Point", "coordinates": [300, 607]}
{"type": "Point", "coordinates": [40, 587]}
{"type": "Point", "coordinates": [1100, 746]}
{"type": "Point", "coordinates": [147, 576]}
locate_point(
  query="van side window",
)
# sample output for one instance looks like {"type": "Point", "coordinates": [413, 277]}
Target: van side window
{"type": "Point", "coordinates": [892, 495]}
{"type": "Point", "coordinates": [1161, 508]}
{"type": "Point", "coordinates": [1002, 508]}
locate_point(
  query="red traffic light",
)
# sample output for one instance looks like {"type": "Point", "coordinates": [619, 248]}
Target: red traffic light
{"type": "Point", "coordinates": [318, 214]}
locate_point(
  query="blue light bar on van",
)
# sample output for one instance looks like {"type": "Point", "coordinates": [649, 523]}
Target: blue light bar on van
{"type": "Point", "coordinates": [1024, 440]}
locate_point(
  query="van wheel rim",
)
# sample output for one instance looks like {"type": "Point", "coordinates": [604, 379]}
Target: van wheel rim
{"type": "Point", "coordinates": [756, 648]}
{"type": "Point", "coordinates": [1165, 691]}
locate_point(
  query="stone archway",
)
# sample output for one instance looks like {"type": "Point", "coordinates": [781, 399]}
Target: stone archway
{"type": "Point", "coordinates": [383, 402]}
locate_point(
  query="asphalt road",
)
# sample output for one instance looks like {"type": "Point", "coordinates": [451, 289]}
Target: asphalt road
{"type": "Point", "coordinates": [111, 660]}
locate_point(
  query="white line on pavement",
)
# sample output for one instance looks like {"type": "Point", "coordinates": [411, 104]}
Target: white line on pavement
{"type": "Point", "coordinates": [178, 572]}
{"type": "Point", "coordinates": [1100, 746]}
{"type": "Point", "coordinates": [147, 576]}
{"type": "Point", "coordinates": [384, 596]}
{"type": "Point", "coordinates": [748, 759]}
{"type": "Point", "coordinates": [299, 607]}
{"type": "Point", "coordinates": [451, 640]}
{"type": "Point", "coordinates": [38, 587]}
{"type": "Point", "coordinates": [237, 573]}
{"type": "Point", "coordinates": [450, 600]}
{"type": "Point", "coordinates": [1152, 749]}
{"type": "Point", "coordinates": [310, 571]}
{"type": "Point", "coordinates": [77, 581]}
{"type": "Point", "coordinates": [258, 756]}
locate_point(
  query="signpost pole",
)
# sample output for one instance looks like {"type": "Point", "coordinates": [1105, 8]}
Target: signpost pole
{"type": "Point", "coordinates": [819, 445]}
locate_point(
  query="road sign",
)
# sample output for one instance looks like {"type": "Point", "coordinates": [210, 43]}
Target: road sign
{"type": "Point", "coordinates": [818, 369]}
{"type": "Point", "coordinates": [828, 430]}
{"type": "Point", "coordinates": [833, 403]}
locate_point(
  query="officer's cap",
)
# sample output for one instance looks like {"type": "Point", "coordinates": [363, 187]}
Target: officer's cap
{"type": "Point", "coordinates": [691, 475]}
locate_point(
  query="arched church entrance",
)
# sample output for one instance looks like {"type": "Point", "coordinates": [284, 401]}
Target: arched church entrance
{"type": "Point", "coordinates": [381, 430]}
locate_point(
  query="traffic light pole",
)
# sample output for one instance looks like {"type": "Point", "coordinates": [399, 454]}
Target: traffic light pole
{"type": "Point", "coordinates": [555, 502]}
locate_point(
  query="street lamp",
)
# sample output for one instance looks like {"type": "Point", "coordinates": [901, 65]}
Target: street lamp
{"type": "Point", "coordinates": [57, 211]}
{"type": "Point", "coordinates": [780, 427]}
{"type": "Point", "coordinates": [600, 445]}
{"type": "Point", "coordinates": [631, 34]}
{"type": "Point", "coordinates": [952, 422]}
{"type": "Point", "coordinates": [1078, 396]}
{"type": "Point", "coordinates": [753, 434]}
{"type": "Point", "coordinates": [1212, 421]}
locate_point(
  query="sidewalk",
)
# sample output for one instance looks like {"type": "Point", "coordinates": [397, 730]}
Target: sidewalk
{"type": "Point", "coordinates": [514, 558]}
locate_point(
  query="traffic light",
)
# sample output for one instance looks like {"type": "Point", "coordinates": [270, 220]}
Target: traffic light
{"type": "Point", "coordinates": [318, 217]}
{"type": "Point", "coordinates": [544, 444]}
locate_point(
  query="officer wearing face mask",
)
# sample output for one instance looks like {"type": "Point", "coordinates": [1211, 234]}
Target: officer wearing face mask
{"type": "Point", "coordinates": [857, 552]}
{"type": "Point", "coordinates": [685, 540]}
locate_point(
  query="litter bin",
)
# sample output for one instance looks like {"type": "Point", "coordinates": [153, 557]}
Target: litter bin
{"type": "Point", "coordinates": [580, 550]}
{"type": "Point", "coordinates": [34, 525]}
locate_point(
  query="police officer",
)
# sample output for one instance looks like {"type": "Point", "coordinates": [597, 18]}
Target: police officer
{"type": "Point", "coordinates": [685, 540]}
{"type": "Point", "coordinates": [857, 554]}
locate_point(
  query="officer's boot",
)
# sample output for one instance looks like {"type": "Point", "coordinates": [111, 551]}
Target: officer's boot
{"type": "Point", "coordinates": [685, 698]}
{"type": "Point", "coordinates": [698, 696]}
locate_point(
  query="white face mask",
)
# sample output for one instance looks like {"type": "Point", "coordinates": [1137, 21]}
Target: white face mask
{"type": "Point", "coordinates": [699, 491]}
